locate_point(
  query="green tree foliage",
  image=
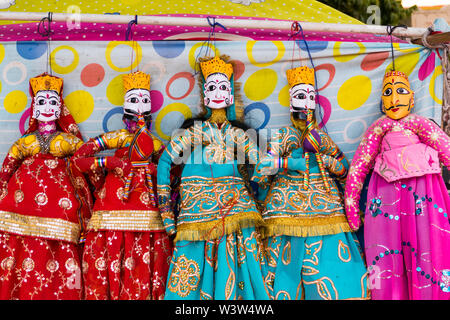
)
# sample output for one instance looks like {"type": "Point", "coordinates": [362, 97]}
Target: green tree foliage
{"type": "Point", "coordinates": [391, 11]}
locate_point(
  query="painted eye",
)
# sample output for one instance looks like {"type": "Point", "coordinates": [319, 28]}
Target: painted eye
{"type": "Point", "coordinates": [211, 87]}
{"type": "Point", "coordinates": [41, 102]}
{"type": "Point", "coordinates": [300, 96]}
{"type": "Point", "coordinates": [133, 100]}
{"type": "Point", "coordinates": [387, 92]}
{"type": "Point", "coordinates": [402, 91]}
{"type": "Point", "coordinates": [223, 87]}
{"type": "Point", "coordinates": [53, 102]}
{"type": "Point", "coordinates": [311, 98]}
{"type": "Point", "coordinates": [145, 100]}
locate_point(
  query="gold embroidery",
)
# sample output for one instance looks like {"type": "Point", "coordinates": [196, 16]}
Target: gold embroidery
{"type": "Point", "coordinates": [205, 296]}
{"type": "Point", "coordinates": [286, 255]}
{"type": "Point", "coordinates": [185, 276]}
{"type": "Point", "coordinates": [50, 228]}
{"type": "Point", "coordinates": [282, 295]}
{"type": "Point", "coordinates": [322, 288]}
{"type": "Point", "coordinates": [212, 208]}
{"type": "Point", "coordinates": [343, 249]}
{"type": "Point", "coordinates": [316, 247]}
{"type": "Point", "coordinates": [231, 281]}
{"type": "Point", "coordinates": [309, 271]}
{"type": "Point", "coordinates": [130, 220]}
{"type": "Point", "coordinates": [8, 263]}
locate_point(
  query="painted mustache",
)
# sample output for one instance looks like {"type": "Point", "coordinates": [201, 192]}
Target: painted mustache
{"type": "Point", "coordinates": [134, 116]}
{"type": "Point", "coordinates": [297, 109]}
{"type": "Point", "coordinates": [397, 106]}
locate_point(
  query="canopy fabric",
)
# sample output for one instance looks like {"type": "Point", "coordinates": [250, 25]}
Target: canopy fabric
{"type": "Point", "coordinates": [285, 10]}
{"type": "Point", "coordinates": [304, 10]}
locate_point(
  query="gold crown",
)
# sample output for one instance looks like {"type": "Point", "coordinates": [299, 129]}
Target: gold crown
{"type": "Point", "coordinates": [216, 65]}
{"type": "Point", "coordinates": [136, 80]}
{"type": "Point", "coordinates": [394, 73]}
{"type": "Point", "coordinates": [300, 75]}
{"type": "Point", "coordinates": [46, 82]}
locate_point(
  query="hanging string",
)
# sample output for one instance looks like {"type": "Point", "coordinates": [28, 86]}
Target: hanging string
{"type": "Point", "coordinates": [44, 29]}
{"type": "Point", "coordinates": [211, 39]}
{"type": "Point", "coordinates": [129, 37]}
{"type": "Point", "coordinates": [297, 28]}
{"type": "Point", "coordinates": [390, 29]}
{"type": "Point", "coordinates": [295, 31]}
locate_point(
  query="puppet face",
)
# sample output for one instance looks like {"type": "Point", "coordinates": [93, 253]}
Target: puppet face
{"type": "Point", "coordinates": [137, 102]}
{"type": "Point", "coordinates": [397, 97]}
{"type": "Point", "coordinates": [47, 106]}
{"type": "Point", "coordinates": [302, 98]}
{"type": "Point", "coordinates": [217, 91]}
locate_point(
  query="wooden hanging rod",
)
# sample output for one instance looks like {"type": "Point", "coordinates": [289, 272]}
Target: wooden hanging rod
{"type": "Point", "coordinates": [202, 22]}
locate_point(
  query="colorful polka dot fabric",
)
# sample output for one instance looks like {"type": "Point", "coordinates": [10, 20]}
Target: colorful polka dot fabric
{"type": "Point", "coordinates": [349, 78]}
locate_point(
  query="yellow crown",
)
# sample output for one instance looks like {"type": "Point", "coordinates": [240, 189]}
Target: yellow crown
{"type": "Point", "coordinates": [46, 82]}
{"type": "Point", "coordinates": [300, 75]}
{"type": "Point", "coordinates": [394, 73]}
{"type": "Point", "coordinates": [216, 65]}
{"type": "Point", "coordinates": [136, 80]}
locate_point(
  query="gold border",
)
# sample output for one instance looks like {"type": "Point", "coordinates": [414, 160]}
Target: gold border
{"type": "Point", "coordinates": [50, 228]}
{"type": "Point", "coordinates": [217, 228]}
{"type": "Point", "coordinates": [126, 220]}
{"type": "Point", "coordinates": [306, 226]}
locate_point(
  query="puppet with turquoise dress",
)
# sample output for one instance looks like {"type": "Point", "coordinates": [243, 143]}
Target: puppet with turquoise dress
{"type": "Point", "coordinates": [218, 252]}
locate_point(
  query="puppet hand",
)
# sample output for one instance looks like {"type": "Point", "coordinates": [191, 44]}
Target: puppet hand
{"type": "Point", "coordinates": [297, 153]}
{"type": "Point", "coordinates": [267, 166]}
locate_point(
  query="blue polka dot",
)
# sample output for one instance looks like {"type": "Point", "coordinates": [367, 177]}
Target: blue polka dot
{"type": "Point", "coordinates": [263, 107]}
{"type": "Point", "coordinates": [313, 46]}
{"type": "Point", "coordinates": [31, 50]}
{"type": "Point", "coordinates": [117, 110]}
{"type": "Point", "coordinates": [418, 269]}
{"type": "Point", "coordinates": [169, 49]}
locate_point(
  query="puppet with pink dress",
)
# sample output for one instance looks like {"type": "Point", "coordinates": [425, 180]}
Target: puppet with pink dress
{"type": "Point", "coordinates": [406, 222]}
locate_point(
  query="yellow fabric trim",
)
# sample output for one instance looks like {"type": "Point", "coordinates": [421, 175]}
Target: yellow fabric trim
{"type": "Point", "coordinates": [217, 228]}
{"type": "Point", "coordinates": [126, 220]}
{"type": "Point", "coordinates": [306, 226]}
{"type": "Point", "coordinates": [50, 228]}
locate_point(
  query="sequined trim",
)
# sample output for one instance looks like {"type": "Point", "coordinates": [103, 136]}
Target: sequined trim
{"type": "Point", "coordinates": [127, 220]}
{"type": "Point", "coordinates": [218, 228]}
{"type": "Point", "coordinates": [50, 228]}
{"type": "Point", "coordinates": [306, 226]}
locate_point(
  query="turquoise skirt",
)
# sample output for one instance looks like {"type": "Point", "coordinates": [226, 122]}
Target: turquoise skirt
{"type": "Point", "coordinates": [328, 267]}
{"type": "Point", "coordinates": [229, 268]}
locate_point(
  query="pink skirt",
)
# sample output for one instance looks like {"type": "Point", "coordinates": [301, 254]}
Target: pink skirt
{"type": "Point", "coordinates": [407, 238]}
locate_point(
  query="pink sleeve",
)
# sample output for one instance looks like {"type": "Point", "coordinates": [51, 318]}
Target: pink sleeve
{"type": "Point", "coordinates": [362, 163]}
{"type": "Point", "coordinates": [431, 135]}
